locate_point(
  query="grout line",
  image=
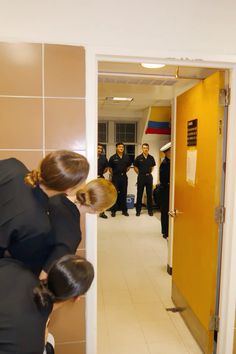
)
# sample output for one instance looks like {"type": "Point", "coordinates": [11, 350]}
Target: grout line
{"type": "Point", "coordinates": [20, 149]}
{"type": "Point", "coordinates": [46, 97]}
{"type": "Point", "coordinates": [43, 101]}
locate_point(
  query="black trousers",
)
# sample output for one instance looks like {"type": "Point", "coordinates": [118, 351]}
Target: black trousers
{"type": "Point", "coordinates": [144, 181]}
{"type": "Point", "coordinates": [121, 184]}
{"type": "Point", "coordinates": [164, 207]}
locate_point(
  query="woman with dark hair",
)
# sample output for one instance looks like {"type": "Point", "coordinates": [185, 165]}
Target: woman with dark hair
{"type": "Point", "coordinates": [26, 303]}
{"type": "Point", "coordinates": [25, 228]}
{"type": "Point", "coordinates": [64, 213]}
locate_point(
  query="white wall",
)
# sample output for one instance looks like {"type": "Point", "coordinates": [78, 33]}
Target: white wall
{"type": "Point", "coordinates": [183, 28]}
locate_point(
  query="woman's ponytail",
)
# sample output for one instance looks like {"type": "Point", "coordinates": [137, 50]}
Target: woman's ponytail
{"type": "Point", "coordinates": [43, 297]}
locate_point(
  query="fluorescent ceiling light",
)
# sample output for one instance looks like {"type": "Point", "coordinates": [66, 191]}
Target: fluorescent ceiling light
{"type": "Point", "coordinates": [152, 66]}
{"type": "Point", "coordinates": [127, 99]}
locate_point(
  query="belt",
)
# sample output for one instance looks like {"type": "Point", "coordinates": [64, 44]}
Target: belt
{"type": "Point", "coordinates": [145, 174]}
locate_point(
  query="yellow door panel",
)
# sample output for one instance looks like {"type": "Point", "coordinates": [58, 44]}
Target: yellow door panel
{"type": "Point", "coordinates": [197, 194]}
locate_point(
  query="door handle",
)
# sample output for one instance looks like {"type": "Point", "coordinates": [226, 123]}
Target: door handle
{"type": "Point", "coordinates": [174, 213]}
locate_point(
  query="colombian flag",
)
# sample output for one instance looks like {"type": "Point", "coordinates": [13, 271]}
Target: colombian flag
{"type": "Point", "coordinates": [158, 128]}
{"type": "Point", "coordinates": [159, 121]}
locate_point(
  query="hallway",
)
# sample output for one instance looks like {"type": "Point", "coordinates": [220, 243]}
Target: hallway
{"type": "Point", "coordinates": [134, 290]}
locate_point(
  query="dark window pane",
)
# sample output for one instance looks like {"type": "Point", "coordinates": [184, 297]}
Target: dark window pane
{"type": "Point", "coordinates": [102, 132]}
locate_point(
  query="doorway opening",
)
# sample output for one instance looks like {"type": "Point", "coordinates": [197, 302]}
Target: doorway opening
{"type": "Point", "coordinates": [121, 115]}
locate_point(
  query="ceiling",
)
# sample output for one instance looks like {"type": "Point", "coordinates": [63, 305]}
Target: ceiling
{"type": "Point", "coordinates": [147, 87]}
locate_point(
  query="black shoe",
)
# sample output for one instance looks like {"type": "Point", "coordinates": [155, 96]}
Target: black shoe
{"type": "Point", "coordinates": [125, 213]}
{"type": "Point", "coordinates": [49, 349]}
{"type": "Point", "coordinates": [165, 236]}
{"type": "Point", "coordinates": [103, 215]}
{"type": "Point", "coordinates": [138, 213]}
{"type": "Point", "coordinates": [150, 213]}
{"type": "Point", "coordinates": [113, 214]}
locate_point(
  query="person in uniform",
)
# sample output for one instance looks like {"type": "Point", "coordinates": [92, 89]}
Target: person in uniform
{"type": "Point", "coordinates": [26, 303]}
{"type": "Point", "coordinates": [102, 168]}
{"type": "Point", "coordinates": [165, 189]}
{"type": "Point", "coordinates": [25, 228]}
{"type": "Point", "coordinates": [143, 166]}
{"type": "Point", "coordinates": [119, 164]}
{"type": "Point", "coordinates": [65, 212]}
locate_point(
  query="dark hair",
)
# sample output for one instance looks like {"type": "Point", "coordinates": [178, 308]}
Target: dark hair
{"type": "Point", "coordinates": [59, 171]}
{"type": "Point", "coordinates": [117, 144]}
{"type": "Point", "coordinates": [69, 277]}
{"type": "Point", "coordinates": [100, 145]}
{"type": "Point", "coordinates": [145, 144]}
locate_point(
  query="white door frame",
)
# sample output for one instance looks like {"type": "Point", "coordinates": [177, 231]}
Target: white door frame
{"type": "Point", "coordinates": [228, 270]}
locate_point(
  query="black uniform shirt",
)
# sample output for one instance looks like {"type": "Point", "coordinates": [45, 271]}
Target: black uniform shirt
{"type": "Point", "coordinates": [66, 233]}
{"type": "Point", "coordinates": [24, 224]}
{"type": "Point", "coordinates": [165, 172]}
{"type": "Point", "coordinates": [22, 325]}
{"type": "Point", "coordinates": [119, 165]}
{"type": "Point", "coordinates": [102, 165]}
{"type": "Point", "coordinates": [143, 164]}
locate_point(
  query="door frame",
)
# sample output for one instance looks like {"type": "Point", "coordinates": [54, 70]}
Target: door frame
{"type": "Point", "coordinates": [228, 266]}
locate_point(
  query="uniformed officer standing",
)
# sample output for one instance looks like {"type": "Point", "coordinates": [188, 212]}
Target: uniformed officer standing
{"type": "Point", "coordinates": [102, 168]}
{"type": "Point", "coordinates": [143, 166]}
{"type": "Point", "coordinates": [119, 164]}
{"type": "Point", "coordinates": [165, 189]}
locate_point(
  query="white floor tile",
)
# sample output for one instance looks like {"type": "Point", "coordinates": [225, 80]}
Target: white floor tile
{"type": "Point", "coordinates": [134, 290]}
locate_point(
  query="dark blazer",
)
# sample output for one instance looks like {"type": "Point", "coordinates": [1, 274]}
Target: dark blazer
{"type": "Point", "coordinates": [66, 234]}
{"type": "Point", "coordinates": [25, 230]}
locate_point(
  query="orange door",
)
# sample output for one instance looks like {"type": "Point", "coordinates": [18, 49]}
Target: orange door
{"type": "Point", "coordinates": [198, 181]}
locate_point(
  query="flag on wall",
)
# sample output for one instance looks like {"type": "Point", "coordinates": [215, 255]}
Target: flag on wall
{"type": "Point", "coordinates": [158, 128]}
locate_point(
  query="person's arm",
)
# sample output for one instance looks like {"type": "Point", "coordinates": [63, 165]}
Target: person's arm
{"type": "Point", "coordinates": [129, 164]}
{"type": "Point", "coordinates": [65, 220]}
{"type": "Point", "coordinates": [110, 166]}
{"type": "Point", "coordinates": [106, 166]}
{"type": "Point", "coordinates": [136, 169]}
{"type": "Point", "coordinates": [154, 164]}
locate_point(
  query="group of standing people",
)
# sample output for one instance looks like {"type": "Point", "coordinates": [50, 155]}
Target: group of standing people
{"type": "Point", "coordinates": [118, 166]}
{"type": "Point", "coordinates": [39, 235]}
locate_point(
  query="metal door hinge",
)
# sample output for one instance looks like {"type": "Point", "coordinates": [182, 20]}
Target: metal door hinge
{"type": "Point", "coordinates": [224, 98]}
{"type": "Point", "coordinates": [220, 215]}
{"type": "Point", "coordinates": [214, 323]}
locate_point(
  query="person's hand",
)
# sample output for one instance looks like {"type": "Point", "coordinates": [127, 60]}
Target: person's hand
{"type": "Point", "coordinates": [43, 275]}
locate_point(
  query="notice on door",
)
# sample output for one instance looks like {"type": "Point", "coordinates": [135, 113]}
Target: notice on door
{"type": "Point", "coordinates": [191, 166]}
{"type": "Point", "coordinates": [192, 132]}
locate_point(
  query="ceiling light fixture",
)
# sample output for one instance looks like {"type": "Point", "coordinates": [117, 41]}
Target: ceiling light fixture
{"type": "Point", "coordinates": [152, 66]}
{"type": "Point", "coordinates": [124, 99]}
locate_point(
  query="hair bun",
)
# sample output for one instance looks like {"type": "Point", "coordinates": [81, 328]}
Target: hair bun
{"type": "Point", "coordinates": [81, 197]}
{"type": "Point", "coordinates": [32, 178]}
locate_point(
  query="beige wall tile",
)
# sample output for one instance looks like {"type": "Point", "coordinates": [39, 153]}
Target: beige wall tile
{"type": "Point", "coordinates": [67, 323]}
{"type": "Point", "coordinates": [21, 69]}
{"type": "Point", "coordinates": [64, 71]}
{"type": "Point", "coordinates": [30, 158]}
{"type": "Point", "coordinates": [71, 348]}
{"type": "Point", "coordinates": [21, 123]}
{"type": "Point", "coordinates": [65, 124]}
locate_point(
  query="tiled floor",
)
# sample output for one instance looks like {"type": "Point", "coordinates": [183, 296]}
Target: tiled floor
{"type": "Point", "coordinates": [134, 290]}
